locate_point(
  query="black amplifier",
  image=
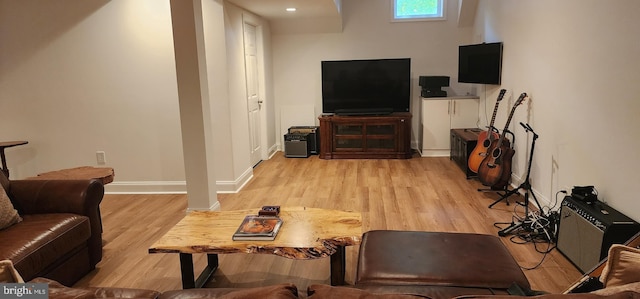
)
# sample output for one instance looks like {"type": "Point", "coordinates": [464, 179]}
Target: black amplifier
{"type": "Point", "coordinates": [313, 138]}
{"type": "Point", "coordinates": [296, 145]}
{"type": "Point", "coordinates": [587, 230]}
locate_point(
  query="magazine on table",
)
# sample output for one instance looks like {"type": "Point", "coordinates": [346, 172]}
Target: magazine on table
{"type": "Point", "coordinates": [258, 228]}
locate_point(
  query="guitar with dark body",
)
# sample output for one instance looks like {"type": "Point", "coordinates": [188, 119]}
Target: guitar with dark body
{"type": "Point", "coordinates": [496, 166]}
{"type": "Point", "coordinates": [485, 139]}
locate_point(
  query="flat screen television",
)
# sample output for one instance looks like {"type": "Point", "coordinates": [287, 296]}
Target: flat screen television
{"type": "Point", "coordinates": [372, 86]}
{"type": "Point", "coordinates": [480, 63]}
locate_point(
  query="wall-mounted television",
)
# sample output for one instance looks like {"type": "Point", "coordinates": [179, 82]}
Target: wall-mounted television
{"type": "Point", "coordinates": [371, 86]}
{"type": "Point", "coordinates": [480, 63]}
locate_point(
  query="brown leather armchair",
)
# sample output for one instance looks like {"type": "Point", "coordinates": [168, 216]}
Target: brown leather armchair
{"type": "Point", "coordinates": [60, 236]}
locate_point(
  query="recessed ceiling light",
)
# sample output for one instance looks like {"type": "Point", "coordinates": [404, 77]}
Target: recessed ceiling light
{"type": "Point", "coordinates": [291, 9]}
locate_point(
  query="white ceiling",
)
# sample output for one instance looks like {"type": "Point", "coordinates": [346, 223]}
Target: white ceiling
{"type": "Point", "coordinates": [316, 16]}
{"type": "Point", "coordinates": [274, 10]}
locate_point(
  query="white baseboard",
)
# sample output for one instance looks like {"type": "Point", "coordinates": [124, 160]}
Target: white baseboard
{"type": "Point", "coordinates": [235, 186]}
{"type": "Point", "coordinates": [272, 150]}
{"type": "Point", "coordinates": [214, 207]}
{"type": "Point", "coordinates": [173, 187]}
{"type": "Point", "coordinates": [146, 187]}
{"type": "Point", "coordinates": [435, 153]}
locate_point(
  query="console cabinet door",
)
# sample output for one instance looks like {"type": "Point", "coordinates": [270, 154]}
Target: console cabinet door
{"type": "Point", "coordinates": [464, 114]}
{"type": "Point", "coordinates": [348, 136]}
{"type": "Point", "coordinates": [439, 116]}
{"type": "Point", "coordinates": [381, 137]}
{"type": "Point", "coordinates": [436, 125]}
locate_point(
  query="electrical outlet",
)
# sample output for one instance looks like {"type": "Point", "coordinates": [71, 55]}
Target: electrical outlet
{"type": "Point", "coordinates": [101, 157]}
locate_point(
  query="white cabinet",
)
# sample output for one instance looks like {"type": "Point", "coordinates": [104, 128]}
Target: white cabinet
{"type": "Point", "coordinates": [439, 116]}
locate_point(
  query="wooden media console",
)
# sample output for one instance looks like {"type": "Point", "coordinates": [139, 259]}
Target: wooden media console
{"type": "Point", "coordinates": [365, 137]}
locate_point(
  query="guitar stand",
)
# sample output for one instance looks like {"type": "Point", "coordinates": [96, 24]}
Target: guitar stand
{"type": "Point", "coordinates": [526, 186]}
{"type": "Point", "coordinates": [503, 196]}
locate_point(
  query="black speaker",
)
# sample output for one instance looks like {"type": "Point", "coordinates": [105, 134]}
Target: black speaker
{"type": "Point", "coordinates": [587, 230]}
{"type": "Point", "coordinates": [431, 86]}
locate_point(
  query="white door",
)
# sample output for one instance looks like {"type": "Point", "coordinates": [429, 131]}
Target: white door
{"type": "Point", "coordinates": [253, 95]}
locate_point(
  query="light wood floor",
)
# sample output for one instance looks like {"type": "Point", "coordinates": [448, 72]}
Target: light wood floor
{"type": "Point", "coordinates": [428, 194]}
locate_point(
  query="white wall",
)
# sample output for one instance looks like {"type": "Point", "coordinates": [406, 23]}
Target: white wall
{"type": "Point", "coordinates": [78, 77]}
{"type": "Point", "coordinates": [82, 76]}
{"type": "Point", "coordinates": [578, 60]}
{"type": "Point", "coordinates": [368, 34]}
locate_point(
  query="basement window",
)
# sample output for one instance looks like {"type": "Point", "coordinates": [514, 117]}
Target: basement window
{"type": "Point", "coordinates": [417, 10]}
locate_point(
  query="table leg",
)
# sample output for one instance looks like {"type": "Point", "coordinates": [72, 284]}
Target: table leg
{"type": "Point", "coordinates": [338, 266]}
{"type": "Point", "coordinates": [188, 276]}
{"type": "Point", "coordinates": [3, 145]}
{"type": "Point", "coordinates": [4, 168]}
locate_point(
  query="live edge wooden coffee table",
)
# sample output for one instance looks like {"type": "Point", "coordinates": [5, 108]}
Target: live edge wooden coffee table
{"type": "Point", "coordinates": [306, 233]}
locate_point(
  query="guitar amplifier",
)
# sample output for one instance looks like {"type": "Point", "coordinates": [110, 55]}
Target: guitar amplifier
{"type": "Point", "coordinates": [587, 230]}
{"type": "Point", "coordinates": [296, 145]}
{"type": "Point", "coordinates": [313, 138]}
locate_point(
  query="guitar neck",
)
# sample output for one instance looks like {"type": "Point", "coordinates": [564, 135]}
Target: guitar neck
{"type": "Point", "coordinates": [513, 110]}
{"type": "Point", "coordinates": [495, 112]}
{"type": "Point", "coordinates": [506, 126]}
{"type": "Point", "coordinates": [493, 118]}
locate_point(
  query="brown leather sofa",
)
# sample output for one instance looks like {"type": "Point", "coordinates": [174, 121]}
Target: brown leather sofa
{"type": "Point", "coordinates": [59, 291]}
{"type": "Point", "coordinates": [282, 291]}
{"type": "Point", "coordinates": [60, 236]}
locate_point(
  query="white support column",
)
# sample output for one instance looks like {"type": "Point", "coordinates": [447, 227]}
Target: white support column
{"type": "Point", "coordinates": [195, 107]}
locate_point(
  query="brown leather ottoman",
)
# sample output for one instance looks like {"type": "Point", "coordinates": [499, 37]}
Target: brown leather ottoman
{"type": "Point", "coordinates": [413, 258]}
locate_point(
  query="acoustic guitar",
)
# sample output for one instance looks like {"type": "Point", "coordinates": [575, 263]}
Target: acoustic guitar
{"type": "Point", "coordinates": [485, 138]}
{"type": "Point", "coordinates": [498, 162]}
